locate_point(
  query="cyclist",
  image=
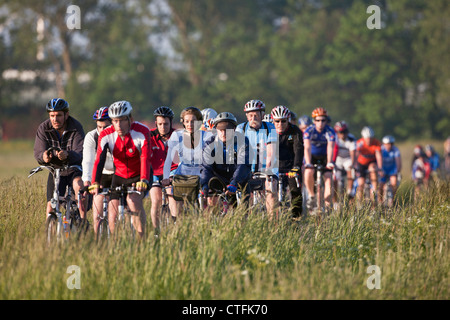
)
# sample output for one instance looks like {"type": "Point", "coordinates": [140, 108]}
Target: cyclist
{"type": "Point", "coordinates": [304, 122]}
{"type": "Point", "coordinates": [159, 138]}
{"type": "Point", "coordinates": [102, 120]}
{"type": "Point", "coordinates": [65, 133]}
{"type": "Point", "coordinates": [392, 165]}
{"type": "Point", "coordinates": [262, 139]}
{"type": "Point", "coordinates": [185, 149]}
{"type": "Point", "coordinates": [208, 115]}
{"type": "Point", "coordinates": [129, 143]}
{"type": "Point", "coordinates": [319, 140]}
{"type": "Point", "coordinates": [447, 157]}
{"type": "Point", "coordinates": [434, 160]}
{"type": "Point", "coordinates": [225, 159]}
{"type": "Point", "coordinates": [290, 153]}
{"type": "Point", "coordinates": [345, 157]}
{"type": "Point", "coordinates": [421, 169]}
{"type": "Point", "coordinates": [369, 160]}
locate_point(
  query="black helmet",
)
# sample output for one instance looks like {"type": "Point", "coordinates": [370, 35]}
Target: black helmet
{"type": "Point", "coordinates": [57, 105]}
{"type": "Point", "coordinates": [163, 112]}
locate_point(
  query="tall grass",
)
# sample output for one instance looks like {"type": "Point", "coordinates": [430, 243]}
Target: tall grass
{"type": "Point", "coordinates": [235, 257]}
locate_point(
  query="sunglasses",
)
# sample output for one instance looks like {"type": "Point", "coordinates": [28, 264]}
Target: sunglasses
{"type": "Point", "coordinates": [282, 121]}
{"type": "Point", "coordinates": [320, 120]}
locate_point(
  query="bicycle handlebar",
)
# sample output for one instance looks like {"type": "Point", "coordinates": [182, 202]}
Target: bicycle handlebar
{"type": "Point", "coordinates": [52, 169]}
{"type": "Point", "coordinates": [261, 175]}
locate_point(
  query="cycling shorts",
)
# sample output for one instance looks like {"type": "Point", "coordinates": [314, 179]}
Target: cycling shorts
{"type": "Point", "coordinates": [63, 183]}
{"type": "Point", "coordinates": [361, 170]}
{"type": "Point", "coordinates": [118, 181]}
{"type": "Point", "coordinates": [388, 172]}
{"type": "Point", "coordinates": [320, 160]}
{"type": "Point", "coordinates": [343, 164]}
{"type": "Point", "coordinates": [156, 180]}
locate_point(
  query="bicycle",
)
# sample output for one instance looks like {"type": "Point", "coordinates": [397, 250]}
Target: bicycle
{"type": "Point", "coordinates": [218, 189]}
{"type": "Point", "coordinates": [123, 191]}
{"type": "Point", "coordinates": [282, 191]}
{"type": "Point", "coordinates": [257, 191]}
{"type": "Point", "coordinates": [316, 205]}
{"type": "Point", "coordinates": [103, 231]}
{"type": "Point", "coordinates": [59, 226]}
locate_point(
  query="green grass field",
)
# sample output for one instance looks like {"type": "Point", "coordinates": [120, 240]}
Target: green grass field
{"type": "Point", "coordinates": [205, 258]}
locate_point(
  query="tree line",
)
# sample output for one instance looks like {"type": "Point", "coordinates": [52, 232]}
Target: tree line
{"type": "Point", "coordinates": [220, 54]}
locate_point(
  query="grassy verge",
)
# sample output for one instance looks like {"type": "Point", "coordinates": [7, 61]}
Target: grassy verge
{"type": "Point", "coordinates": [202, 257]}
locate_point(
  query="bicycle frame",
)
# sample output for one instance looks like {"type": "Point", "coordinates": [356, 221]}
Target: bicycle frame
{"type": "Point", "coordinates": [63, 221]}
{"type": "Point", "coordinates": [281, 185]}
{"type": "Point", "coordinates": [124, 191]}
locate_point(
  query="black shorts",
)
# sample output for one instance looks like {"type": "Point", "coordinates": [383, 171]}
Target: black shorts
{"type": "Point", "coordinates": [118, 181]}
{"type": "Point", "coordinates": [361, 170]}
{"type": "Point", "coordinates": [63, 183]}
{"type": "Point", "coordinates": [320, 160]}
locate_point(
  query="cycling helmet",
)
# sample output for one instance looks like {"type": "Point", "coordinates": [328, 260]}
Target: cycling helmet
{"type": "Point", "coordinates": [268, 117]}
{"type": "Point", "coordinates": [225, 117]}
{"type": "Point", "coordinates": [319, 112]}
{"type": "Point", "coordinates": [208, 113]}
{"type": "Point", "coordinates": [293, 116]}
{"type": "Point", "coordinates": [163, 112]}
{"type": "Point", "coordinates": [254, 105]}
{"type": "Point", "coordinates": [101, 114]}
{"type": "Point", "coordinates": [418, 151]}
{"type": "Point", "coordinates": [193, 110]}
{"type": "Point", "coordinates": [341, 126]}
{"type": "Point", "coordinates": [388, 139]}
{"type": "Point", "coordinates": [119, 109]}
{"type": "Point", "coordinates": [304, 121]}
{"type": "Point", "coordinates": [280, 112]}
{"type": "Point", "coordinates": [429, 147]}
{"type": "Point", "coordinates": [367, 132]}
{"type": "Point", "coordinates": [57, 105]}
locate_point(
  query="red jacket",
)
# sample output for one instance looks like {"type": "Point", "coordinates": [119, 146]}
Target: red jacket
{"type": "Point", "coordinates": [131, 155]}
{"type": "Point", "coordinates": [159, 152]}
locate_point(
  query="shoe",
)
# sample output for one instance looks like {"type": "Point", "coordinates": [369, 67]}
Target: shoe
{"type": "Point", "coordinates": [310, 203]}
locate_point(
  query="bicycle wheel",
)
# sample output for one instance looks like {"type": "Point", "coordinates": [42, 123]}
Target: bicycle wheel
{"type": "Point", "coordinates": [165, 216]}
{"type": "Point", "coordinates": [51, 228]}
{"type": "Point", "coordinates": [103, 230]}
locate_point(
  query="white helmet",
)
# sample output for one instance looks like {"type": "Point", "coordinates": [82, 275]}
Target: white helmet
{"type": "Point", "coordinates": [280, 112]}
{"type": "Point", "coordinates": [388, 139]}
{"type": "Point", "coordinates": [367, 132]}
{"type": "Point", "coordinates": [254, 105]}
{"type": "Point", "coordinates": [209, 113]}
{"type": "Point", "coordinates": [119, 109]}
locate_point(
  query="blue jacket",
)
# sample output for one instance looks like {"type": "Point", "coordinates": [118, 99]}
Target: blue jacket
{"type": "Point", "coordinates": [232, 165]}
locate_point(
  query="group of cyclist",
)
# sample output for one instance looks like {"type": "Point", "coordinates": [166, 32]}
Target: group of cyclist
{"type": "Point", "coordinates": [224, 155]}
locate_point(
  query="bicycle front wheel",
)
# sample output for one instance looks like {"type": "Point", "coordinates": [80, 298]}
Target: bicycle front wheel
{"type": "Point", "coordinates": [51, 228]}
{"type": "Point", "coordinates": [103, 230]}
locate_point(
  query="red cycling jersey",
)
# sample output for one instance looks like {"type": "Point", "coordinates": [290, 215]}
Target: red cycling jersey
{"type": "Point", "coordinates": [159, 152]}
{"type": "Point", "coordinates": [131, 154]}
{"type": "Point", "coordinates": [367, 152]}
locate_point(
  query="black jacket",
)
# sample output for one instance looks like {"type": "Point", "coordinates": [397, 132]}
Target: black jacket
{"type": "Point", "coordinates": [290, 149]}
{"type": "Point", "coordinates": [71, 141]}
{"type": "Point", "coordinates": [234, 170]}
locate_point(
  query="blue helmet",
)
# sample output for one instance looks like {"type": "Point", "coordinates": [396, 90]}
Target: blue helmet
{"type": "Point", "coordinates": [101, 114]}
{"type": "Point", "coordinates": [57, 105]}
